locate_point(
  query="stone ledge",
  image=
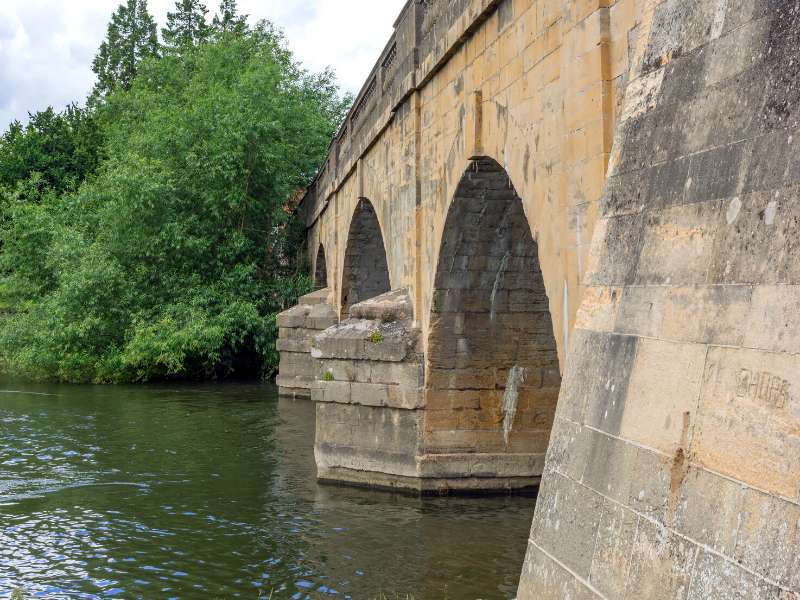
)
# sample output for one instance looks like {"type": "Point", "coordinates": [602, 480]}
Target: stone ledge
{"type": "Point", "coordinates": [312, 312]}
{"type": "Point", "coordinates": [367, 394]}
{"type": "Point", "coordinates": [481, 466]}
{"type": "Point", "coordinates": [297, 346]}
{"type": "Point", "coordinates": [434, 486]}
{"type": "Point", "coordinates": [315, 298]}
{"type": "Point", "coordinates": [366, 340]}
{"type": "Point", "coordinates": [295, 383]}
{"type": "Point", "coordinates": [386, 308]}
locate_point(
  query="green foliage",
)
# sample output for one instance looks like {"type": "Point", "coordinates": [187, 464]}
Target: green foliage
{"type": "Point", "coordinates": [186, 27]}
{"type": "Point", "coordinates": [376, 337]}
{"type": "Point", "coordinates": [328, 376]}
{"type": "Point", "coordinates": [174, 258]}
{"type": "Point", "coordinates": [132, 37]}
{"type": "Point", "coordinates": [228, 19]}
{"type": "Point", "coordinates": [54, 151]}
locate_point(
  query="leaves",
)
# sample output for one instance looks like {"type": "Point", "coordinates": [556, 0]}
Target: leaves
{"type": "Point", "coordinates": [186, 26]}
{"type": "Point", "coordinates": [131, 38]}
{"type": "Point", "coordinates": [173, 258]}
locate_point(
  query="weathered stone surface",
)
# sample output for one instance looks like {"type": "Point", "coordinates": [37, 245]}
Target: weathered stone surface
{"type": "Point", "coordinates": [298, 370]}
{"type": "Point", "coordinates": [696, 458]}
{"type": "Point", "coordinates": [471, 173]}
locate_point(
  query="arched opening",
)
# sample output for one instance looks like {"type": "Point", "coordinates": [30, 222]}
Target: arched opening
{"type": "Point", "coordinates": [320, 270]}
{"type": "Point", "coordinates": [493, 373]}
{"type": "Point", "coordinates": [366, 273]}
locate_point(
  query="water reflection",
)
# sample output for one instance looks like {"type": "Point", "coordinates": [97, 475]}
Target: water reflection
{"type": "Point", "coordinates": [209, 491]}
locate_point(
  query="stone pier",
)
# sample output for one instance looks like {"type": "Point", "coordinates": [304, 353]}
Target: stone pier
{"type": "Point", "coordinates": [369, 395]}
{"type": "Point", "coordinates": [296, 330]}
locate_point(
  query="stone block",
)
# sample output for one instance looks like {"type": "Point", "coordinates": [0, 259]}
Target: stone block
{"type": "Point", "coordinates": [737, 51]}
{"type": "Point", "coordinates": [706, 314]}
{"type": "Point", "coordinates": [772, 223]}
{"type": "Point", "coordinates": [615, 250]}
{"type": "Point", "coordinates": [341, 370]}
{"type": "Point", "coordinates": [321, 316]}
{"type": "Point", "coordinates": [404, 374]}
{"type": "Point", "coordinates": [716, 173]}
{"type": "Point", "coordinates": [715, 577]}
{"type": "Point", "coordinates": [663, 388]}
{"type": "Point", "coordinates": [661, 563]}
{"type": "Point", "coordinates": [747, 420]}
{"type": "Point", "coordinates": [289, 345]}
{"type": "Point", "coordinates": [544, 579]}
{"type": "Point", "coordinates": [366, 438]}
{"type": "Point", "coordinates": [574, 512]}
{"type": "Point", "coordinates": [335, 391]}
{"type": "Point", "coordinates": [386, 308]}
{"type": "Point", "coordinates": [611, 560]}
{"type": "Point", "coordinates": [569, 449]}
{"type": "Point", "coordinates": [679, 244]}
{"type": "Point", "coordinates": [602, 386]}
{"type": "Point", "coordinates": [610, 466]}
{"type": "Point", "coordinates": [369, 394]}
{"type": "Point", "coordinates": [716, 529]}
{"type": "Point", "coordinates": [294, 317]}
{"type": "Point", "coordinates": [768, 538]}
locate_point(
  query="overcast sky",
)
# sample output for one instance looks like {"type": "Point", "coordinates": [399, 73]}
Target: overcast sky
{"type": "Point", "coordinates": [47, 46]}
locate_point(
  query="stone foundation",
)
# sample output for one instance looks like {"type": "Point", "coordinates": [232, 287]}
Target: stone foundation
{"type": "Point", "coordinates": [297, 328]}
{"type": "Point", "coordinates": [371, 413]}
{"type": "Point", "coordinates": [369, 395]}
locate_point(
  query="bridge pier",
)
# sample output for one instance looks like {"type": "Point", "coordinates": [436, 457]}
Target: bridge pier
{"type": "Point", "coordinates": [373, 428]}
{"type": "Point", "coordinates": [296, 330]}
{"type": "Point", "coordinates": [368, 395]}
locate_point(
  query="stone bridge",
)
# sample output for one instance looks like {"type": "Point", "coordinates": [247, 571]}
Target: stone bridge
{"type": "Point", "coordinates": [570, 229]}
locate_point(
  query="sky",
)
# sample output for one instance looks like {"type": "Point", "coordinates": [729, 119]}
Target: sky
{"type": "Point", "coordinates": [47, 46]}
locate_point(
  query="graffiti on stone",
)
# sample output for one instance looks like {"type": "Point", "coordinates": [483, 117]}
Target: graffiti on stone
{"type": "Point", "coordinates": [762, 387]}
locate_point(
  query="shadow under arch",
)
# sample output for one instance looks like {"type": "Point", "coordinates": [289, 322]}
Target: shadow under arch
{"type": "Point", "coordinates": [492, 366]}
{"type": "Point", "coordinates": [366, 271]}
{"type": "Point", "coordinates": [320, 270]}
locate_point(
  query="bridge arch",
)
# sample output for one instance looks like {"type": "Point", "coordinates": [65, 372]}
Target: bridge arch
{"type": "Point", "coordinates": [493, 374]}
{"type": "Point", "coordinates": [320, 269]}
{"type": "Point", "coordinates": [365, 273]}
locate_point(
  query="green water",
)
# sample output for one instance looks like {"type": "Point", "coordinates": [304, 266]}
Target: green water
{"type": "Point", "coordinates": [209, 492]}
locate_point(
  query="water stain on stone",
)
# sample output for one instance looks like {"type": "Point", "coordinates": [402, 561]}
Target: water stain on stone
{"type": "Point", "coordinates": [526, 161]}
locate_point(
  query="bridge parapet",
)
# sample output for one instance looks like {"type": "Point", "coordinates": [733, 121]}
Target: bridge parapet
{"type": "Point", "coordinates": [427, 32]}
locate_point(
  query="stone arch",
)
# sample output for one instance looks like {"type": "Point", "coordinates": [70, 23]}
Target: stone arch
{"type": "Point", "coordinates": [366, 271]}
{"type": "Point", "coordinates": [492, 363]}
{"type": "Point", "coordinates": [320, 270]}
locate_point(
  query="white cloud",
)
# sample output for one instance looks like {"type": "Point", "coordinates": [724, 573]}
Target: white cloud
{"type": "Point", "coordinates": [47, 46]}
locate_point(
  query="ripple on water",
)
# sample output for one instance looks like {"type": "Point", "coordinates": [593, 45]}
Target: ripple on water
{"type": "Point", "coordinates": [209, 491]}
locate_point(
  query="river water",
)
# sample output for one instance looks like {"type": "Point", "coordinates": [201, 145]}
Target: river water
{"type": "Point", "coordinates": [210, 492]}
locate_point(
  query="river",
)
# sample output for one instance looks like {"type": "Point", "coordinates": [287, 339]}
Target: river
{"type": "Point", "coordinates": [209, 492]}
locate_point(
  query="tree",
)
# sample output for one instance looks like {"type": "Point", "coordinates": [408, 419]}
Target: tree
{"type": "Point", "coordinates": [186, 27]}
{"type": "Point", "coordinates": [228, 19]}
{"type": "Point", "coordinates": [132, 36]}
{"type": "Point", "coordinates": [61, 149]}
{"type": "Point", "coordinates": [173, 260]}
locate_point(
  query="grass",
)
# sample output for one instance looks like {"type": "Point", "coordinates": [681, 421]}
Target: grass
{"type": "Point", "coordinates": [328, 376]}
{"type": "Point", "coordinates": [376, 337]}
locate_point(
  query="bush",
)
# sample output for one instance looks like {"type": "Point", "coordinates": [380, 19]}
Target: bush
{"type": "Point", "coordinates": [174, 258]}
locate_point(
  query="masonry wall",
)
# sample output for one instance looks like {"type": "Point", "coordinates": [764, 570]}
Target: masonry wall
{"type": "Point", "coordinates": [535, 85]}
{"type": "Point", "coordinates": [674, 469]}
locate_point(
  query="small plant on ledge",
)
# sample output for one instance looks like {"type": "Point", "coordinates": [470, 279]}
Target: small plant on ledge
{"type": "Point", "coordinates": [376, 337]}
{"type": "Point", "coordinates": [328, 376]}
